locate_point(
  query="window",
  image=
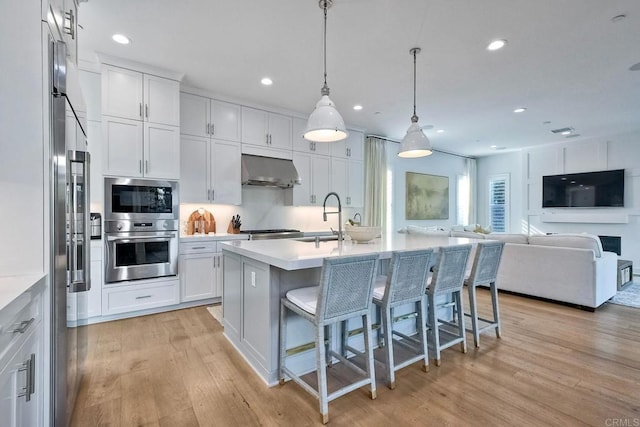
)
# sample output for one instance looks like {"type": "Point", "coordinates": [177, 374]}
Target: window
{"type": "Point", "coordinates": [499, 202]}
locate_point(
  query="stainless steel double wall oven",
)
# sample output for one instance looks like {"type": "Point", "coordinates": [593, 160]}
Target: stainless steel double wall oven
{"type": "Point", "coordinates": [141, 229]}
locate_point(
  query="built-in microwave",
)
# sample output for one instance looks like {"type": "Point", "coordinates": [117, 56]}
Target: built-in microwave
{"type": "Point", "coordinates": [140, 199]}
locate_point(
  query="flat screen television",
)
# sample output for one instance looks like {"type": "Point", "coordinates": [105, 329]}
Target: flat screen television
{"type": "Point", "coordinates": [584, 190]}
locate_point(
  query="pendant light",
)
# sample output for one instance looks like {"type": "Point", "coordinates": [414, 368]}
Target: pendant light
{"type": "Point", "coordinates": [415, 143]}
{"type": "Point", "coordinates": [325, 124]}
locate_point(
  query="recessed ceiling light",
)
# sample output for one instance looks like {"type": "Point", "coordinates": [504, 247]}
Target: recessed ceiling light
{"type": "Point", "coordinates": [494, 146]}
{"type": "Point", "coordinates": [440, 131]}
{"type": "Point", "coordinates": [496, 44]}
{"type": "Point", "coordinates": [565, 132]}
{"type": "Point", "coordinates": [357, 107]}
{"type": "Point", "coordinates": [520, 110]}
{"type": "Point", "coordinates": [121, 38]}
{"type": "Point", "coordinates": [266, 81]}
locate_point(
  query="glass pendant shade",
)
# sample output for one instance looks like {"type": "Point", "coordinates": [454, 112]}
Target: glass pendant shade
{"type": "Point", "coordinates": [415, 143]}
{"type": "Point", "coordinates": [325, 123]}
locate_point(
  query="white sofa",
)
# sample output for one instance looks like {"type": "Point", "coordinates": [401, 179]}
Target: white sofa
{"type": "Point", "coordinates": [570, 268]}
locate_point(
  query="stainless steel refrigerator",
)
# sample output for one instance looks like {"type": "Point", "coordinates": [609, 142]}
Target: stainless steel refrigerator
{"type": "Point", "coordinates": [70, 242]}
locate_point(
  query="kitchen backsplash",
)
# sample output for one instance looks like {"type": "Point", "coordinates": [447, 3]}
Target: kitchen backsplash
{"type": "Point", "coordinates": [264, 208]}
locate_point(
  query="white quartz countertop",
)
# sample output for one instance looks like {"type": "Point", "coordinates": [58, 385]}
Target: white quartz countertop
{"type": "Point", "coordinates": [212, 237]}
{"type": "Point", "coordinates": [290, 254]}
{"type": "Point", "coordinates": [11, 287]}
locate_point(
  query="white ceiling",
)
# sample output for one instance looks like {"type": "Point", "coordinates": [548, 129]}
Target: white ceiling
{"type": "Point", "coordinates": [565, 61]}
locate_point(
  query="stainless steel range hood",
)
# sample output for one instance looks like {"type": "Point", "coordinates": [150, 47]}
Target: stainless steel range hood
{"type": "Point", "coordinates": [268, 172]}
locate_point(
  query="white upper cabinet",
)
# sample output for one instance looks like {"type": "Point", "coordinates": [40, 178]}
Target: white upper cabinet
{"type": "Point", "coordinates": [304, 146]}
{"type": "Point", "coordinates": [161, 100]}
{"type": "Point", "coordinates": [141, 124]}
{"type": "Point", "coordinates": [122, 93]}
{"type": "Point", "coordinates": [201, 116]}
{"type": "Point", "coordinates": [263, 128]}
{"type": "Point", "coordinates": [210, 171]}
{"type": "Point", "coordinates": [350, 148]}
{"type": "Point", "coordinates": [137, 96]}
{"type": "Point", "coordinates": [62, 18]}
{"type": "Point", "coordinates": [314, 172]}
{"type": "Point", "coordinates": [347, 179]}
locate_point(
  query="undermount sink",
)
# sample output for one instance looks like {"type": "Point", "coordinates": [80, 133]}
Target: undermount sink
{"type": "Point", "coordinates": [320, 239]}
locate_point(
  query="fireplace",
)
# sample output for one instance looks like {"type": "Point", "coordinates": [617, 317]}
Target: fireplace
{"type": "Point", "coordinates": [611, 244]}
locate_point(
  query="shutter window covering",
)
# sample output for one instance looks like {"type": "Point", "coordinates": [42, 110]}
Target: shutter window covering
{"type": "Point", "coordinates": [498, 204]}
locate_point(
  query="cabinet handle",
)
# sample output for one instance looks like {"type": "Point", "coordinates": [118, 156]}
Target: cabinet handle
{"type": "Point", "coordinates": [141, 109]}
{"type": "Point", "coordinates": [144, 296]}
{"type": "Point", "coordinates": [213, 194]}
{"type": "Point", "coordinates": [208, 194]}
{"type": "Point", "coordinates": [140, 165]}
{"type": "Point", "coordinates": [311, 146]}
{"type": "Point", "coordinates": [198, 247]}
{"type": "Point", "coordinates": [146, 166]}
{"type": "Point", "coordinates": [71, 28]}
{"type": "Point", "coordinates": [23, 326]}
{"type": "Point", "coordinates": [208, 127]}
{"type": "Point", "coordinates": [28, 366]}
{"type": "Point", "coordinates": [213, 129]}
{"type": "Point", "coordinates": [146, 111]}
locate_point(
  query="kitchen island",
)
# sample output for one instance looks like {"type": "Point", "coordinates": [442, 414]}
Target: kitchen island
{"type": "Point", "coordinates": [257, 274]}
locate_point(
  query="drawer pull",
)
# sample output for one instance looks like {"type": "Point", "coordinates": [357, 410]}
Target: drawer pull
{"type": "Point", "coordinates": [29, 366]}
{"type": "Point", "coordinates": [23, 326]}
{"type": "Point", "coordinates": [199, 247]}
{"type": "Point", "coordinates": [144, 296]}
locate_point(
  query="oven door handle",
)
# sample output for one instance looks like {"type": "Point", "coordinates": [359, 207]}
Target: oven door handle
{"type": "Point", "coordinates": [131, 239]}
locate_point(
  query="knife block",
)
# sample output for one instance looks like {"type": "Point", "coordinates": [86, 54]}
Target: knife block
{"type": "Point", "coordinates": [232, 230]}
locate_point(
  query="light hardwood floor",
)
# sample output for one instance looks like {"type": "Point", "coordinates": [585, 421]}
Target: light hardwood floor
{"type": "Point", "coordinates": [555, 365]}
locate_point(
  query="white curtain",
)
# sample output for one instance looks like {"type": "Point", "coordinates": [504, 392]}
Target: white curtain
{"type": "Point", "coordinates": [375, 182]}
{"type": "Point", "coordinates": [473, 190]}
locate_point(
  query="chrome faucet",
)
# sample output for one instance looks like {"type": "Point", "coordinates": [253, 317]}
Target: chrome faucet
{"type": "Point", "coordinates": [354, 219]}
{"type": "Point", "coordinates": [339, 212]}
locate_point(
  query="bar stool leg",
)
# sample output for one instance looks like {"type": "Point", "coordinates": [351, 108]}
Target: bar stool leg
{"type": "Point", "coordinates": [283, 342]}
{"type": "Point", "coordinates": [422, 318]}
{"type": "Point", "coordinates": [458, 298]}
{"type": "Point", "coordinates": [368, 343]}
{"type": "Point", "coordinates": [496, 309]}
{"type": "Point", "coordinates": [387, 327]}
{"type": "Point", "coordinates": [433, 325]}
{"type": "Point", "coordinates": [322, 374]}
{"type": "Point", "coordinates": [474, 315]}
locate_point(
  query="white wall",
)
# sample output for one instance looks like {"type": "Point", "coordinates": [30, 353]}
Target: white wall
{"type": "Point", "coordinates": [436, 164]}
{"type": "Point", "coordinates": [510, 164]}
{"type": "Point", "coordinates": [613, 152]}
{"type": "Point", "coordinates": [23, 212]}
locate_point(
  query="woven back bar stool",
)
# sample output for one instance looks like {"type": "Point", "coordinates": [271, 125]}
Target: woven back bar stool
{"type": "Point", "coordinates": [484, 272]}
{"type": "Point", "coordinates": [448, 278]}
{"type": "Point", "coordinates": [406, 283]}
{"type": "Point", "coordinates": [345, 291]}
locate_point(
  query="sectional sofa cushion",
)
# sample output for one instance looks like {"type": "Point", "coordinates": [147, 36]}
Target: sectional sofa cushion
{"type": "Point", "coordinates": [414, 229]}
{"type": "Point", "coordinates": [468, 234]}
{"type": "Point", "coordinates": [581, 241]}
{"type": "Point", "coordinates": [521, 239]}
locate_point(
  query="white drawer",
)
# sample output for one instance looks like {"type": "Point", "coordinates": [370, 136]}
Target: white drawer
{"type": "Point", "coordinates": [18, 319]}
{"type": "Point", "coordinates": [198, 247]}
{"type": "Point", "coordinates": [136, 297]}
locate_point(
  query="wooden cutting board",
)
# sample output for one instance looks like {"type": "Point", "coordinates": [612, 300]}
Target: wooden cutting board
{"type": "Point", "coordinates": [195, 219]}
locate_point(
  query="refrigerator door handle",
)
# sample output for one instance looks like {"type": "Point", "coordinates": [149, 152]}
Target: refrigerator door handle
{"type": "Point", "coordinates": [79, 279]}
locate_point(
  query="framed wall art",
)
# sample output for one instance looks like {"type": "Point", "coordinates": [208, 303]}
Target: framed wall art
{"type": "Point", "coordinates": [427, 196]}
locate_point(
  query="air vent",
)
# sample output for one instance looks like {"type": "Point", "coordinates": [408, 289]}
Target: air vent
{"type": "Point", "coordinates": [561, 130]}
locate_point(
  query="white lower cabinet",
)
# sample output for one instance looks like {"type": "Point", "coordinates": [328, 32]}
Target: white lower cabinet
{"type": "Point", "coordinates": [200, 271]}
{"type": "Point", "coordinates": [21, 363]}
{"type": "Point", "coordinates": [140, 295]}
{"type": "Point", "coordinates": [94, 307]}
